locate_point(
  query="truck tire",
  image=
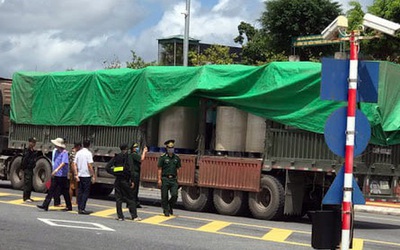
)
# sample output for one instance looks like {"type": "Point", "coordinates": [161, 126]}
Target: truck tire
{"type": "Point", "coordinates": [41, 174]}
{"type": "Point", "coordinates": [16, 173]}
{"type": "Point", "coordinates": [196, 198]}
{"type": "Point", "coordinates": [268, 204]}
{"type": "Point", "coordinates": [229, 202]}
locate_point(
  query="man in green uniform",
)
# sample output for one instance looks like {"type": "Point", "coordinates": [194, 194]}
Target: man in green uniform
{"type": "Point", "coordinates": [136, 160]}
{"type": "Point", "coordinates": [123, 185]}
{"type": "Point", "coordinates": [168, 170]}
{"type": "Point", "coordinates": [28, 164]}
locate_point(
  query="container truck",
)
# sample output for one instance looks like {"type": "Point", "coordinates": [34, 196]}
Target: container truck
{"type": "Point", "coordinates": [249, 137]}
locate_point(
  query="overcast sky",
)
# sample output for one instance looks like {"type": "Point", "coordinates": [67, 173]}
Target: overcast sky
{"type": "Point", "coordinates": [55, 35]}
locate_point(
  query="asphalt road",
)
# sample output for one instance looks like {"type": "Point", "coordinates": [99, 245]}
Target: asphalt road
{"type": "Point", "coordinates": [23, 226]}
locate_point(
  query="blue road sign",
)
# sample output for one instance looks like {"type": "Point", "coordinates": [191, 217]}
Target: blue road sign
{"type": "Point", "coordinates": [334, 82]}
{"type": "Point", "coordinates": [335, 132]}
{"type": "Point", "coordinates": [334, 196]}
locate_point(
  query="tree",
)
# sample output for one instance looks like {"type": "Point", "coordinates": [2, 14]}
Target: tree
{"type": "Point", "coordinates": [138, 63]}
{"type": "Point", "coordinates": [254, 44]}
{"type": "Point", "coordinates": [215, 54]}
{"type": "Point", "coordinates": [113, 64]}
{"type": "Point", "coordinates": [283, 20]}
{"type": "Point", "coordinates": [386, 47]}
{"type": "Point", "coordinates": [355, 15]}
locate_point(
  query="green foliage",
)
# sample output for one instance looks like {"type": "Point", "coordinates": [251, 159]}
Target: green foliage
{"type": "Point", "coordinates": [246, 31]}
{"type": "Point", "coordinates": [254, 44]}
{"type": "Point", "coordinates": [386, 47]}
{"type": "Point", "coordinates": [283, 20]}
{"type": "Point", "coordinates": [138, 63]}
{"type": "Point", "coordinates": [115, 63]}
{"type": "Point", "coordinates": [355, 15]}
{"type": "Point", "coordinates": [215, 54]}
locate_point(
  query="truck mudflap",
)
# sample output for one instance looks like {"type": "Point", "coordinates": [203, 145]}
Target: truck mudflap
{"type": "Point", "coordinates": [242, 174]}
{"type": "Point", "coordinates": [186, 176]}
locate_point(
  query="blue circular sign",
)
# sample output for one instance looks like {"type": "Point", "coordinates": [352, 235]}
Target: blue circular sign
{"type": "Point", "coordinates": [335, 132]}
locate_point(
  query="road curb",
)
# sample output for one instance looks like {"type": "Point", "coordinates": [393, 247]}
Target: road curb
{"type": "Point", "coordinates": [377, 210]}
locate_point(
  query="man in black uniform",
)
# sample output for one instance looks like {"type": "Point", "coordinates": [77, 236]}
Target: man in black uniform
{"type": "Point", "coordinates": [28, 164]}
{"type": "Point", "coordinates": [123, 185]}
{"type": "Point", "coordinates": [136, 161]}
{"type": "Point", "coordinates": [168, 169]}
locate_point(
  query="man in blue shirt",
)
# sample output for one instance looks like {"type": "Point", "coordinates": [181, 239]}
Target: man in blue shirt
{"type": "Point", "coordinates": [59, 176]}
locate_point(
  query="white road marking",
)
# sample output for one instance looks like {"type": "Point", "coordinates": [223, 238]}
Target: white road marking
{"type": "Point", "coordinates": [75, 224]}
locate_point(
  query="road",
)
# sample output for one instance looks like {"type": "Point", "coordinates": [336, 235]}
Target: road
{"type": "Point", "coordinates": [23, 226]}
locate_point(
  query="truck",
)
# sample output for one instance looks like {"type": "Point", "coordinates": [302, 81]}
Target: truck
{"type": "Point", "coordinates": [250, 137]}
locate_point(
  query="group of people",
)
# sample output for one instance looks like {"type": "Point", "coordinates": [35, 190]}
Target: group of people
{"type": "Point", "coordinates": [75, 170]}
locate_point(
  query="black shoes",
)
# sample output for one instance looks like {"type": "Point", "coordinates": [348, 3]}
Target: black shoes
{"type": "Point", "coordinates": [171, 212]}
{"type": "Point", "coordinates": [166, 213]}
{"type": "Point", "coordinates": [84, 212]}
{"type": "Point", "coordinates": [42, 207]}
{"type": "Point", "coordinates": [67, 209]}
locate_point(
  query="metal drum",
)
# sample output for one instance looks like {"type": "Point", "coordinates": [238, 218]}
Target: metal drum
{"type": "Point", "coordinates": [230, 129]}
{"type": "Point", "coordinates": [152, 126]}
{"type": "Point", "coordinates": [255, 135]}
{"type": "Point", "coordinates": [180, 124]}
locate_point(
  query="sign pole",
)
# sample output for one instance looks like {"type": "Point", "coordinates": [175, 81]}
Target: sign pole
{"type": "Point", "coordinates": [350, 138]}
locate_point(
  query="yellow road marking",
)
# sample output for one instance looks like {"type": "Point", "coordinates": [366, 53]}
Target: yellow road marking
{"type": "Point", "coordinates": [383, 204]}
{"type": "Point", "coordinates": [276, 234]}
{"type": "Point", "coordinates": [214, 226]}
{"type": "Point", "coordinates": [105, 213]}
{"type": "Point", "coordinates": [157, 219]}
{"type": "Point", "coordinates": [358, 244]}
{"type": "Point", "coordinates": [17, 202]}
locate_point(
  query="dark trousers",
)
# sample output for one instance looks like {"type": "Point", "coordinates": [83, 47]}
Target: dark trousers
{"type": "Point", "coordinates": [136, 181]}
{"type": "Point", "coordinates": [83, 192]}
{"type": "Point", "coordinates": [124, 193]}
{"type": "Point", "coordinates": [57, 195]}
{"type": "Point", "coordinates": [169, 185]}
{"type": "Point", "coordinates": [28, 183]}
{"type": "Point", "coordinates": [63, 184]}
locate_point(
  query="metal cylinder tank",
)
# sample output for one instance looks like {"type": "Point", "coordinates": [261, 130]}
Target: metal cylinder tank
{"type": "Point", "coordinates": [255, 135]}
{"type": "Point", "coordinates": [230, 134]}
{"type": "Point", "coordinates": [152, 127]}
{"type": "Point", "coordinates": [181, 124]}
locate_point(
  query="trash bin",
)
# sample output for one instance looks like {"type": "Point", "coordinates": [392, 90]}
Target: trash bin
{"type": "Point", "coordinates": [326, 229]}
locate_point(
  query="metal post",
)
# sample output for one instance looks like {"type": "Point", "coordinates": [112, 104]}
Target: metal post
{"type": "Point", "coordinates": [350, 138]}
{"type": "Point", "coordinates": [186, 36]}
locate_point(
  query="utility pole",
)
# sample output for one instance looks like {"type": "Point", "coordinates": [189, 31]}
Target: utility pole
{"type": "Point", "coordinates": [186, 35]}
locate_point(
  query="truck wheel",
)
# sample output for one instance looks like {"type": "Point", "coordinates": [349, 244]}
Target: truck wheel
{"type": "Point", "coordinates": [229, 202]}
{"type": "Point", "coordinates": [41, 174]}
{"type": "Point", "coordinates": [196, 198]}
{"type": "Point", "coordinates": [16, 173]}
{"type": "Point", "coordinates": [268, 204]}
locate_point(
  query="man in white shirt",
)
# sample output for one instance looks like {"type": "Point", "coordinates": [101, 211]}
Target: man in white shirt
{"type": "Point", "coordinates": [84, 174]}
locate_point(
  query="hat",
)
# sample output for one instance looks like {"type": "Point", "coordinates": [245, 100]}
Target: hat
{"type": "Point", "coordinates": [135, 145]}
{"type": "Point", "coordinates": [169, 143]}
{"type": "Point", "coordinates": [59, 142]}
{"type": "Point", "coordinates": [32, 139]}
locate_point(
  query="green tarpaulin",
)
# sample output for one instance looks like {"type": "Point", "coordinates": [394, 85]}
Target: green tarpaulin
{"type": "Point", "coordinates": [286, 92]}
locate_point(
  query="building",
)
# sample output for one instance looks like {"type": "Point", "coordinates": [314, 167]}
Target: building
{"type": "Point", "coordinates": [170, 50]}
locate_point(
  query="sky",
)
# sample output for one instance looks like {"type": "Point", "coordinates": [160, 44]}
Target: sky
{"type": "Point", "coordinates": [56, 35]}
